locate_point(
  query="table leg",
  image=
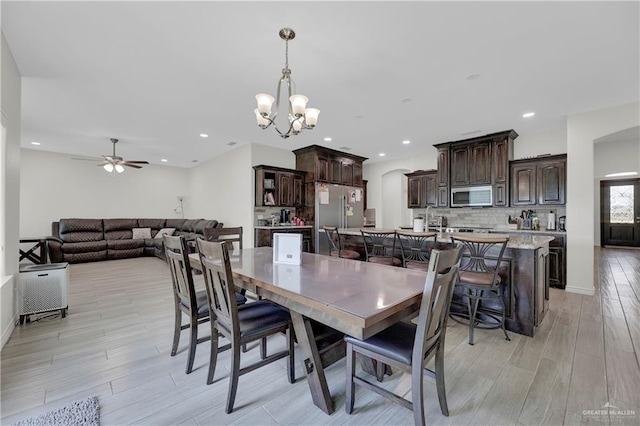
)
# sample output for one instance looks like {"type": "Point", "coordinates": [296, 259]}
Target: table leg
{"type": "Point", "coordinates": [312, 364]}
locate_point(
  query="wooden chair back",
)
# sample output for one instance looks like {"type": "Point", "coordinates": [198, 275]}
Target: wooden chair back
{"type": "Point", "coordinates": [177, 254]}
{"type": "Point", "coordinates": [216, 268]}
{"type": "Point", "coordinates": [230, 235]}
{"type": "Point", "coordinates": [436, 299]}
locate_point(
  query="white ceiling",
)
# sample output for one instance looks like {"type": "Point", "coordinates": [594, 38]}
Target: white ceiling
{"type": "Point", "coordinates": [157, 74]}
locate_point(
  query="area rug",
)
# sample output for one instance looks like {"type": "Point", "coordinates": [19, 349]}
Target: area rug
{"type": "Point", "coordinates": [85, 412]}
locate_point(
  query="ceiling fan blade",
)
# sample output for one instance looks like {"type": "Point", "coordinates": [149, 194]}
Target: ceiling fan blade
{"type": "Point", "coordinates": [86, 159]}
{"type": "Point", "coordinates": [137, 162]}
{"type": "Point", "coordinates": [126, 163]}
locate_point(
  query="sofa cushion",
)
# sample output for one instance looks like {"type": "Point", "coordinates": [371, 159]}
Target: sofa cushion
{"type": "Point", "coordinates": [141, 233]}
{"type": "Point", "coordinates": [78, 230]}
{"type": "Point", "coordinates": [189, 225]}
{"type": "Point", "coordinates": [119, 229]}
{"type": "Point", "coordinates": [124, 244]}
{"type": "Point", "coordinates": [201, 224]}
{"type": "Point", "coordinates": [84, 247]}
{"type": "Point", "coordinates": [154, 224]}
{"type": "Point", "coordinates": [174, 223]}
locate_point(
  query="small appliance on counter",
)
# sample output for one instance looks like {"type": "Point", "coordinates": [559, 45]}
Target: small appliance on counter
{"type": "Point", "coordinates": [562, 223]}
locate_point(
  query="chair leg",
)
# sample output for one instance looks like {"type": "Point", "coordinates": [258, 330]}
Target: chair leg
{"type": "Point", "coordinates": [213, 355]}
{"type": "Point", "coordinates": [417, 393]}
{"type": "Point", "coordinates": [473, 311]}
{"type": "Point", "coordinates": [291, 372]}
{"type": "Point", "coordinates": [351, 386]}
{"type": "Point", "coordinates": [193, 342]}
{"type": "Point", "coordinates": [503, 315]}
{"type": "Point", "coordinates": [176, 332]}
{"type": "Point", "coordinates": [380, 369]}
{"type": "Point", "coordinates": [233, 376]}
{"type": "Point", "coordinates": [263, 348]}
{"type": "Point", "coordinates": [442, 394]}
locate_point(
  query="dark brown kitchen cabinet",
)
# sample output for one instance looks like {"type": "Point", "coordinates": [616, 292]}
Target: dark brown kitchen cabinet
{"type": "Point", "coordinates": [540, 181]}
{"type": "Point", "coordinates": [422, 189]}
{"type": "Point", "coordinates": [264, 236]}
{"type": "Point", "coordinates": [460, 165]}
{"type": "Point", "coordinates": [479, 161]}
{"type": "Point", "coordinates": [335, 171]}
{"type": "Point", "coordinates": [328, 165]}
{"type": "Point", "coordinates": [558, 261]}
{"type": "Point", "coordinates": [443, 176]}
{"type": "Point", "coordinates": [276, 186]}
{"type": "Point", "coordinates": [551, 182]}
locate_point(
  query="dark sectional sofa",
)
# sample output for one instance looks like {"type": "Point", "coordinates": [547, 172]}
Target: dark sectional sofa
{"type": "Point", "coordinates": [90, 240]}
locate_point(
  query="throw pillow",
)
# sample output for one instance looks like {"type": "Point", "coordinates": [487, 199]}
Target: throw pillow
{"type": "Point", "coordinates": [141, 233]}
{"type": "Point", "coordinates": [165, 231]}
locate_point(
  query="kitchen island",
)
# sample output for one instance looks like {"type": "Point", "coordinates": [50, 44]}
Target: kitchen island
{"type": "Point", "coordinates": [524, 270]}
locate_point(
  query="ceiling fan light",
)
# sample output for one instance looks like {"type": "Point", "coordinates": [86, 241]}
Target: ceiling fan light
{"type": "Point", "coordinates": [265, 101]}
{"type": "Point", "coordinates": [311, 116]}
{"type": "Point", "coordinates": [108, 167]}
{"type": "Point", "coordinates": [298, 104]}
{"type": "Point", "coordinates": [119, 168]}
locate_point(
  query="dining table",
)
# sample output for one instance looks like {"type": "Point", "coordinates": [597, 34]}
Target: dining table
{"type": "Point", "coordinates": [354, 297]}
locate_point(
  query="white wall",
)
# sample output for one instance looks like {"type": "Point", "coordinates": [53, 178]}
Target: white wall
{"type": "Point", "coordinates": [551, 141]}
{"type": "Point", "coordinates": [394, 208]}
{"type": "Point", "coordinates": [223, 187]}
{"type": "Point", "coordinates": [612, 157]}
{"type": "Point", "coordinates": [53, 186]}
{"type": "Point", "coordinates": [10, 89]}
{"type": "Point", "coordinates": [582, 131]}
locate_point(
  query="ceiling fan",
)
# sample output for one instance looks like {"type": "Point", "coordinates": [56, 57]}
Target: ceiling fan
{"type": "Point", "coordinates": [113, 162]}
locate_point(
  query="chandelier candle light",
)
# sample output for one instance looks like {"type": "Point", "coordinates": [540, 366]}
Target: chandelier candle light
{"type": "Point", "coordinates": [300, 117]}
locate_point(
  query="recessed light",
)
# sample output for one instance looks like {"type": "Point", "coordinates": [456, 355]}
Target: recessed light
{"type": "Point", "coordinates": [328, 139]}
{"type": "Point", "coordinates": [204, 135]}
{"type": "Point", "coordinates": [528, 114]}
{"type": "Point", "coordinates": [407, 142]}
{"type": "Point", "coordinates": [382, 154]}
{"type": "Point", "coordinates": [35, 143]}
{"type": "Point", "coordinates": [194, 161]}
{"type": "Point", "coordinates": [621, 174]}
{"type": "Point", "coordinates": [473, 76]}
{"type": "Point", "coordinates": [164, 160]}
{"type": "Point", "coordinates": [231, 143]}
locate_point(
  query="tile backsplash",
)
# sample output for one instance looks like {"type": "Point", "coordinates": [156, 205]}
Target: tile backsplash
{"type": "Point", "coordinates": [488, 217]}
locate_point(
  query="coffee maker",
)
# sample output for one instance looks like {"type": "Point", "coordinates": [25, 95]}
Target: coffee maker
{"type": "Point", "coordinates": [562, 223]}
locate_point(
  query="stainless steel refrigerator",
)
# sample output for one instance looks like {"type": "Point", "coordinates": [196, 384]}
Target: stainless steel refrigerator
{"type": "Point", "coordinates": [336, 205]}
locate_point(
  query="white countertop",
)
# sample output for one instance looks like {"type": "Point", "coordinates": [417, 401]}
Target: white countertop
{"type": "Point", "coordinates": [518, 240]}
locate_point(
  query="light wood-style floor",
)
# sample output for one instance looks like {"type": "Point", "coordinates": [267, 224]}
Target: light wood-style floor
{"type": "Point", "coordinates": [116, 339]}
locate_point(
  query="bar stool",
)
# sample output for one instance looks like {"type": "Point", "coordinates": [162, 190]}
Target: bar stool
{"type": "Point", "coordinates": [479, 281]}
{"type": "Point", "coordinates": [380, 246]}
{"type": "Point", "coordinates": [415, 248]}
{"type": "Point", "coordinates": [335, 243]}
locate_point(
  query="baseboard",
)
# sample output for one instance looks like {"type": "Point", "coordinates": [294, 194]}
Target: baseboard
{"type": "Point", "coordinates": [7, 332]}
{"type": "Point", "coordinates": [580, 290]}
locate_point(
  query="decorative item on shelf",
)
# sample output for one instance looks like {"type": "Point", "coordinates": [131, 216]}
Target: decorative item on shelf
{"type": "Point", "coordinates": [299, 116]}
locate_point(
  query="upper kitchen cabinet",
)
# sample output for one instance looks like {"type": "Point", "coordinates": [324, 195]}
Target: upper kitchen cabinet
{"type": "Point", "coordinates": [422, 189]}
{"type": "Point", "coordinates": [539, 181]}
{"type": "Point", "coordinates": [328, 165]}
{"type": "Point", "coordinates": [276, 186]}
{"type": "Point", "coordinates": [477, 162]}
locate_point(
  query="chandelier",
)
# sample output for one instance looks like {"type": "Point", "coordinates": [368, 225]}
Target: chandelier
{"type": "Point", "coordinates": [300, 117]}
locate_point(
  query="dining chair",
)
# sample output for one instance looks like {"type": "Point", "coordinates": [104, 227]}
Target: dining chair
{"type": "Point", "coordinates": [408, 346]}
{"type": "Point", "coordinates": [231, 235]}
{"type": "Point", "coordinates": [240, 324]}
{"type": "Point", "coordinates": [380, 246]}
{"type": "Point", "coordinates": [479, 281]}
{"type": "Point", "coordinates": [336, 246]}
{"type": "Point", "coordinates": [186, 299]}
{"type": "Point", "coordinates": [416, 248]}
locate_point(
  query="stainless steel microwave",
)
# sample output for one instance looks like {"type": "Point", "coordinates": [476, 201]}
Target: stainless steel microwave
{"type": "Point", "coordinates": [472, 196]}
